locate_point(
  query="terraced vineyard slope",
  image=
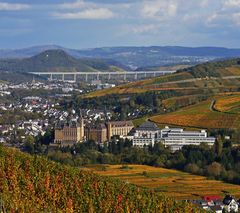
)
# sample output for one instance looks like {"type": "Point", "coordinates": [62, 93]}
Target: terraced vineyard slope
{"type": "Point", "coordinates": [34, 184]}
{"type": "Point", "coordinates": [215, 76]}
{"type": "Point", "coordinates": [219, 112]}
{"type": "Point", "coordinates": [173, 183]}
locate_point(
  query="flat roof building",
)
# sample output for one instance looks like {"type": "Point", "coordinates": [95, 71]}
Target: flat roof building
{"type": "Point", "coordinates": [176, 138]}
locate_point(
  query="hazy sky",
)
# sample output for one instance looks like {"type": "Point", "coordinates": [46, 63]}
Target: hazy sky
{"type": "Point", "coordinates": [97, 23]}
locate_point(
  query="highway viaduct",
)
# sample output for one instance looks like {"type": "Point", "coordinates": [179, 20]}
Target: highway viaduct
{"type": "Point", "coordinates": [107, 76]}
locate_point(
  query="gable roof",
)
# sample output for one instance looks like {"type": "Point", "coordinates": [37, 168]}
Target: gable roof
{"type": "Point", "coordinates": [212, 198]}
{"type": "Point", "coordinates": [228, 199]}
{"type": "Point", "coordinates": [148, 126]}
{"type": "Point", "coordinates": [121, 123]}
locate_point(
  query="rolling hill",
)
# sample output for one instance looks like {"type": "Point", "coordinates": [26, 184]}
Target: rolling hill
{"type": "Point", "coordinates": [34, 184]}
{"type": "Point", "coordinates": [211, 76]}
{"type": "Point", "coordinates": [57, 60]}
{"type": "Point", "coordinates": [219, 112]}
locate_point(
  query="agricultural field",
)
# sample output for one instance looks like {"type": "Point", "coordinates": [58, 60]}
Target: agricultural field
{"type": "Point", "coordinates": [182, 101]}
{"type": "Point", "coordinates": [203, 115]}
{"type": "Point", "coordinates": [172, 183]}
{"type": "Point", "coordinates": [228, 104]}
{"type": "Point", "coordinates": [235, 70]}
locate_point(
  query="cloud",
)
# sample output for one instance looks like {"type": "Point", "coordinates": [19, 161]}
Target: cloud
{"type": "Point", "coordinates": [236, 18]}
{"type": "Point", "coordinates": [4, 6]}
{"type": "Point", "coordinates": [144, 28]}
{"type": "Point", "coordinates": [74, 5]}
{"type": "Point", "coordinates": [92, 13]}
{"type": "Point", "coordinates": [204, 3]}
{"type": "Point", "coordinates": [158, 9]}
{"type": "Point", "coordinates": [232, 3]}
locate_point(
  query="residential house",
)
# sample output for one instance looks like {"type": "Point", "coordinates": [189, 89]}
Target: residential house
{"type": "Point", "coordinates": [230, 204]}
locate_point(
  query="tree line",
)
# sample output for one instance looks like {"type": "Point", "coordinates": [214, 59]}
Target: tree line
{"type": "Point", "coordinates": [221, 162]}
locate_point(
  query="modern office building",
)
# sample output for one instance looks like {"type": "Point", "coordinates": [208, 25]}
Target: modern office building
{"type": "Point", "coordinates": [176, 138]}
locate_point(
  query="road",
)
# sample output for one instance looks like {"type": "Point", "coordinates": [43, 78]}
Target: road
{"type": "Point", "coordinates": [200, 79]}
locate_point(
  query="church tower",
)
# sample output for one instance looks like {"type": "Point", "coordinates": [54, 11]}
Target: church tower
{"type": "Point", "coordinates": [81, 127]}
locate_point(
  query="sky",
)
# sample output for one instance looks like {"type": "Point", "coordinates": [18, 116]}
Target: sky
{"type": "Point", "coordinates": [81, 24]}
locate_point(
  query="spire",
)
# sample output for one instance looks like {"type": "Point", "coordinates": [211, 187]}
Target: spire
{"type": "Point", "coordinates": [80, 119]}
{"type": "Point", "coordinates": [33, 80]}
{"type": "Point", "coordinates": [80, 114]}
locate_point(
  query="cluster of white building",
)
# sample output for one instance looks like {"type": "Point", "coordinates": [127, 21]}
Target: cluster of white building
{"type": "Point", "coordinates": [174, 138]}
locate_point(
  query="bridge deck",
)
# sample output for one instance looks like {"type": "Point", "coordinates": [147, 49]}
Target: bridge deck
{"type": "Point", "coordinates": [87, 76]}
{"type": "Point", "coordinates": [102, 73]}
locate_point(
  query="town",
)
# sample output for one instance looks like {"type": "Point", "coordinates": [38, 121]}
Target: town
{"type": "Point", "coordinates": [35, 119]}
{"type": "Point", "coordinates": [119, 106]}
{"type": "Point", "coordinates": [92, 124]}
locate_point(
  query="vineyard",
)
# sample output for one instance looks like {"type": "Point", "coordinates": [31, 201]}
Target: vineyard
{"type": "Point", "coordinates": [34, 184]}
{"type": "Point", "coordinates": [189, 81]}
{"type": "Point", "coordinates": [172, 183]}
{"type": "Point", "coordinates": [202, 116]}
{"type": "Point", "coordinates": [229, 104]}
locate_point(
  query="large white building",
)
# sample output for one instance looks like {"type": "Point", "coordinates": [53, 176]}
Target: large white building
{"type": "Point", "coordinates": [146, 134]}
{"type": "Point", "coordinates": [176, 138]}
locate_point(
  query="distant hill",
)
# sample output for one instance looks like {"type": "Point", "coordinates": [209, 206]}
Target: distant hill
{"type": "Point", "coordinates": [57, 60]}
{"type": "Point", "coordinates": [136, 57]}
{"type": "Point", "coordinates": [35, 184]}
{"type": "Point", "coordinates": [19, 77]}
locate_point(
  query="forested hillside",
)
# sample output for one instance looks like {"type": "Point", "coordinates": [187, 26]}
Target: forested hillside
{"type": "Point", "coordinates": [34, 184]}
{"type": "Point", "coordinates": [212, 69]}
{"type": "Point", "coordinates": [57, 60]}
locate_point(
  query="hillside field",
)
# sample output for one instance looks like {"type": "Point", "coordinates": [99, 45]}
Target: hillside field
{"type": "Point", "coordinates": [35, 184]}
{"type": "Point", "coordinates": [210, 76]}
{"type": "Point", "coordinates": [173, 183]}
{"type": "Point", "coordinates": [228, 104]}
{"type": "Point", "coordinates": [205, 114]}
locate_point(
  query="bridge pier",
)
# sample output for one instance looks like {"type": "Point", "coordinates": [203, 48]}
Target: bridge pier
{"type": "Point", "coordinates": [63, 77]}
{"type": "Point", "coordinates": [51, 77]}
{"type": "Point", "coordinates": [109, 76]}
{"type": "Point", "coordinates": [125, 76]}
{"type": "Point", "coordinates": [136, 76]}
{"type": "Point", "coordinates": [86, 77]}
{"type": "Point", "coordinates": [75, 77]}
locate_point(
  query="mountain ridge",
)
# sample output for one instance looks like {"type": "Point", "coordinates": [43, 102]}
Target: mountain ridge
{"type": "Point", "coordinates": [135, 57]}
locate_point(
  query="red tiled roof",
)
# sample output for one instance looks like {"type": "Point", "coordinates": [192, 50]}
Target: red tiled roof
{"type": "Point", "coordinates": [212, 198]}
